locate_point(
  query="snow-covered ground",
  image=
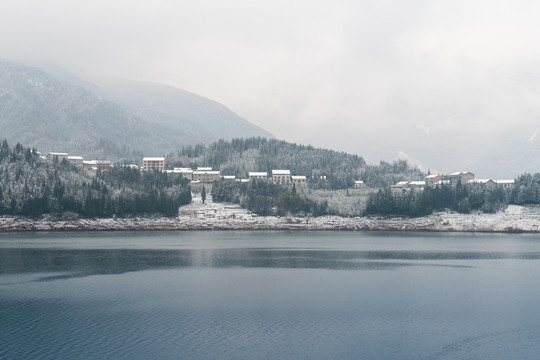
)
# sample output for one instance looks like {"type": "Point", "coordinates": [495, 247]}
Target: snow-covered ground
{"type": "Point", "coordinates": [219, 216]}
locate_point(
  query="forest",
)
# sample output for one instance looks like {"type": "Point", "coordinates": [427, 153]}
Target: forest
{"type": "Point", "coordinates": [462, 198]}
{"type": "Point", "coordinates": [338, 170]}
{"type": "Point", "coordinates": [265, 198]}
{"type": "Point", "coordinates": [32, 186]}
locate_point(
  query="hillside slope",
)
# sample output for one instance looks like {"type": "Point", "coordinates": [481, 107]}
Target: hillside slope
{"type": "Point", "coordinates": [202, 120]}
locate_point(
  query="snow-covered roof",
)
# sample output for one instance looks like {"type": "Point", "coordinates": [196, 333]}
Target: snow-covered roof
{"type": "Point", "coordinates": [200, 168]}
{"type": "Point", "coordinates": [58, 154]}
{"type": "Point", "coordinates": [153, 159]}
{"type": "Point", "coordinates": [358, 182]}
{"type": "Point", "coordinates": [460, 173]}
{"type": "Point", "coordinates": [281, 172]}
{"type": "Point", "coordinates": [505, 181]}
{"type": "Point", "coordinates": [257, 173]}
{"type": "Point", "coordinates": [401, 183]}
{"type": "Point", "coordinates": [197, 172]}
{"type": "Point", "coordinates": [431, 176]}
{"type": "Point", "coordinates": [417, 183]}
{"type": "Point", "coordinates": [182, 169]}
{"type": "Point", "coordinates": [229, 177]}
{"type": "Point", "coordinates": [298, 177]}
{"type": "Point", "coordinates": [479, 181]}
{"type": "Point", "coordinates": [75, 158]}
{"type": "Point", "coordinates": [90, 162]}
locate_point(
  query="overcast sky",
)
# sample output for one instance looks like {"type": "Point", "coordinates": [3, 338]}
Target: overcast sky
{"type": "Point", "coordinates": [350, 75]}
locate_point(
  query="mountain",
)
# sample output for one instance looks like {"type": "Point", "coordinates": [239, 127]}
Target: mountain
{"type": "Point", "coordinates": [199, 118]}
{"type": "Point", "coordinates": [82, 118]}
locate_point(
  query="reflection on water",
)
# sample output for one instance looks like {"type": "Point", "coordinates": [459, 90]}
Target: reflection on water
{"type": "Point", "coordinates": [271, 295]}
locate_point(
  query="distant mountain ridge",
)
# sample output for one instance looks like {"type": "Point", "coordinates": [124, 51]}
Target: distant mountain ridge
{"type": "Point", "coordinates": [42, 111]}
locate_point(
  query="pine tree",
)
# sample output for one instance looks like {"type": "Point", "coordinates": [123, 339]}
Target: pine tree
{"type": "Point", "coordinates": [203, 194]}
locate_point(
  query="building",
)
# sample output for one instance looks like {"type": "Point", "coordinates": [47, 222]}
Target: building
{"type": "Point", "coordinates": [505, 183]}
{"type": "Point", "coordinates": [420, 184]}
{"type": "Point", "coordinates": [482, 182]}
{"type": "Point", "coordinates": [432, 180]}
{"type": "Point", "coordinates": [229, 177]}
{"type": "Point", "coordinates": [281, 177]}
{"type": "Point", "coordinates": [90, 164]}
{"type": "Point", "coordinates": [76, 160]}
{"type": "Point", "coordinates": [462, 176]}
{"type": "Point", "coordinates": [185, 172]}
{"type": "Point", "coordinates": [103, 165]}
{"type": "Point", "coordinates": [153, 164]}
{"type": "Point", "coordinates": [57, 155]}
{"type": "Point", "coordinates": [299, 179]}
{"type": "Point", "coordinates": [257, 175]}
{"type": "Point", "coordinates": [206, 176]}
{"type": "Point", "coordinates": [400, 185]}
{"type": "Point", "coordinates": [358, 184]}
{"type": "Point", "coordinates": [204, 168]}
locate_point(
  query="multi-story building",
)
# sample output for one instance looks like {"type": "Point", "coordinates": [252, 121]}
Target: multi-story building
{"type": "Point", "coordinates": [257, 175]}
{"type": "Point", "coordinates": [57, 155]}
{"type": "Point", "coordinates": [462, 176]}
{"type": "Point", "coordinates": [432, 180]}
{"type": "Point", "coordinates": [185, 172]}
{"type": "Point", "coordinates": [76, 160]}
{"type": "Point", "coordinates": [482, 182]}
{"type": "Point", "coordinates": [153, 164]}
{"type": "Point", "coordinates": [299, 179]}
{"type": "Point", "coordinates": [206, 176]}
{"type": "Point", "coordinates": [281, 177]}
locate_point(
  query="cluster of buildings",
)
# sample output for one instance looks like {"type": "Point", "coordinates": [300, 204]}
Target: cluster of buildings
{"type": "Point", "coordinates": [207, 175]}
{"type": "Point", "coordinates": [463, 177]}
{"type": "Point", "coordinates": [101, 165]}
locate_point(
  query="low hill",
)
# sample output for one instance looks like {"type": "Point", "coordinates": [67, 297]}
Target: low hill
{"type": "Point", "coordinates": [340, 170]}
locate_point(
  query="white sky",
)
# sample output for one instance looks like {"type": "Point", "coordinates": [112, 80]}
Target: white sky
{"type": "Point", "coordinates": [349, 75]}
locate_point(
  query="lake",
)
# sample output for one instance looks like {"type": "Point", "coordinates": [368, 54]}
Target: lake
{"type": "Point", "coordinates": [269, 295]}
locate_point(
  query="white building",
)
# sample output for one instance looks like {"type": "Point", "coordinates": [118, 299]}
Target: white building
{"type": "Point", "coordinates": [259, 175]}
{"type": "Point", "coordinates": [299, 179]}
{"type": "Point", "coordinates": [420, 184]}
{"type": "Point", "coordinates": [57, 155]}
{"type": "Point", "coordinates": [281, 177]}
{"type": "Point", "coordinates": [229, 177]}
{"type": "Point", "coordinates": [482, 182]}
{"type": "Point", "coordinates": [505, 183]}
{"type": "Point", "coordinates": [153, 164]}
{"type": "Point", "coordinates": [358, 184]}
{"type": "Point", "coordinates": [462, 176]}
{"type": "Point", "coordinates": [185, 172]}
{"type": "Point", "coordinates": [206, 176]}
{"type": "Point", "coordinates": [76, 160]}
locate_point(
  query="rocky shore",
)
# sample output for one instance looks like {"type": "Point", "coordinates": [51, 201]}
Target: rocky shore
{"type": "Point", "coordinates": [217, 216]}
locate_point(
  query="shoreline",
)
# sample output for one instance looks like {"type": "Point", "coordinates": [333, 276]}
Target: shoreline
{"type": "Point", "coordinates": [228, 217]}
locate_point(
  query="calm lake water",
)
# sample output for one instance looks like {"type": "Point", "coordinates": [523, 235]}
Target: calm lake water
{"type": "Point", "coordinates": [269, 295]}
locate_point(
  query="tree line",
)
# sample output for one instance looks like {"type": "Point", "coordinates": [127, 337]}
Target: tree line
{"type": "Point", "coordinates": [265, 198]}
{"type": "Point", "coordinates": [325, 169]}
{"type": "Point", "coordinates": [461, 198]}
{"type": "Point", "coordinates": [31, 186]}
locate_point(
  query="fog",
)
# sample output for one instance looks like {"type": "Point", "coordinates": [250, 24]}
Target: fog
{"type": "Point", "coordinates": [376, 78]}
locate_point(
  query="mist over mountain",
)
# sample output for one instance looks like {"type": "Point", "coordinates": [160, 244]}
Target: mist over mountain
{"type": "Point", "coordinates": [201, 119]}
{"type": "Point", "coordinates": [73, 115]}
{"type": "Point", "coordinates": [492, 153]}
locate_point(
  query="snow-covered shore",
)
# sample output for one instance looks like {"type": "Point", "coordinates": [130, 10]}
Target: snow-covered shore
{"type": "Point", "coordinates": [216, 216]}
